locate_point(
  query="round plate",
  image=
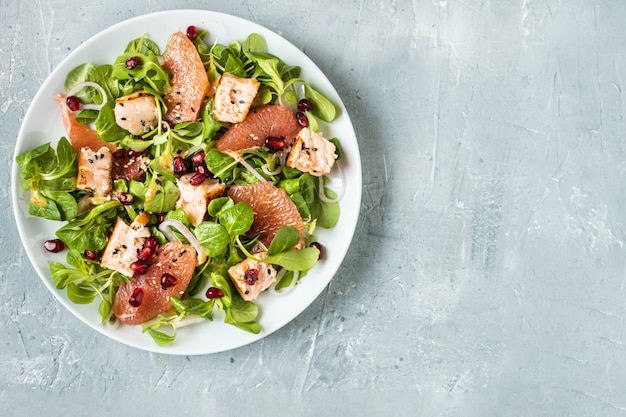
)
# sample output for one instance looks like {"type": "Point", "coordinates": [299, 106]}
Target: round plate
{"type": "Point", "coordinates": [42, 124]}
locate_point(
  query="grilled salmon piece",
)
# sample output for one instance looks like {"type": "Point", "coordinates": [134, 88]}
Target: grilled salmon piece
{"type": "Point", "coordinates": [273, 120]}
{"type": "Point", "coordinates": [233, 98]}
{"type": "Point", "coordinates": [189, 84]}
{"type": "Point", "coordinates": [123, 245]}
{"type": "Point", "coordinates": [136, 112]}
{"type": "Point", "coordinates": [312, 153]}
{"type": "Point", "coordinates": [129, 167]}
{"type": "Point", "coordinates": [94, 171]}
{"type": "Point", "coordinates": [194, 199]}
{"type": "Point", "coordinates": [173, 258]}
{"type": "Point", "coordinates": [251, 277]}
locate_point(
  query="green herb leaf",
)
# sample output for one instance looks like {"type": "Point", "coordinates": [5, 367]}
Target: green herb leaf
{"type": "Point", "coordinates": [286, 238]}
{"type": "Point", "coordinates": [295, 260]}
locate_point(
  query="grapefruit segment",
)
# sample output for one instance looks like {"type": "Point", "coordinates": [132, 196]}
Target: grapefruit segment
{"type": "Point", "coordinates": [272, 208]}
{"type": "Point", "coordinates": [272, 120]}
{"type": "Point", "coordinates": [79, 135]}
{"type": "Point", "coordinates": [174, 258]}
{"type": "Point", "coordinates": [189, 84]}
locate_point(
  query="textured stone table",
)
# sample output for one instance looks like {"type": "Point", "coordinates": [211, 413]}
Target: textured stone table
{"type": "Point", "coordinates": [486, 277]}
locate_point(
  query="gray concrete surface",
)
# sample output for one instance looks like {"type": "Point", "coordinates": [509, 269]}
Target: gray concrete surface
{"type": "Point", "coordinates": [486, 277]}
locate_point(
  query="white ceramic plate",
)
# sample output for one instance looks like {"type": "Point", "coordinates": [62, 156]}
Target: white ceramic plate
{"type": "Point", "coordinates": [43, 124]}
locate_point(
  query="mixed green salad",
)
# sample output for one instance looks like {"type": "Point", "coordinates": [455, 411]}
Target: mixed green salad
{"type": "Point", "coordinates": [50, 172]}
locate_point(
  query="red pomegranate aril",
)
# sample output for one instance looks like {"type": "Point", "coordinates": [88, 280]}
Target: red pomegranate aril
{"type": "Point", "coordinates": [160, 218]}
{"type": "Point", "coordinates": [151, 243]}
{"type": "Point", "coordinates": [198, 158]}
{"type": "Point", "coordinates": [73, 103]}
{"type": "Point", "coordinates": [319, 247]}
{"type": "Point", "coordinates": [139, 267]}
{"type": "Point", "coordinates": [144, 254]}
{"type": "Point", "coordinates": [136, 298]}
{"type": "Point", "coordinates": [202, 169]}
{"type": "Point", "coordinates": [90, 254]}
{"type": "Point", "coordinates": [274, 144]}
{"type": "Point", "coordinates": [167, 281]}
{"type": "Point", "coordinates": [214, 292]}
{"type": "Point", "coordinates": [197, 179]}
{"type": "Point", "coordinates": [179, 166]}
{"type": "Point", "coordinates": [302, 119]}
{"type": "Point", "coordinates": [125, 198]}
{"type": "Point", "coordinates": [135, 154]}
{"type": "Point", "coordinates": [252, 275]}
{"type": "Point", "coordinates": [192, 32]}
{"type": "Point", "coordinates": [305, 105]}
{"type": "Point", "coordinates": [54, 245]}
{"type": "Point", "coordinates": [132, 62]}
{"type": "Point", "coordinates": [119, 153]}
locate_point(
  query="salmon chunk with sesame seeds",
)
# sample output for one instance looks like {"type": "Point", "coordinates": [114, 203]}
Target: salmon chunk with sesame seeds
{"type": "Point", "coordinates": [94, 171]}
{"type": "Point", "coordinates": [233, 98]}
{"type": "Point", "coordinates": [194, 199]}
{"type": "Point", "coordinates": [312, 153]}
{"type": "Point", "coordinates": [252, 277]}
{"type": "Point", "coordinates": [123, 246]}
{"type": "Point", "coordinates": [136, 112]}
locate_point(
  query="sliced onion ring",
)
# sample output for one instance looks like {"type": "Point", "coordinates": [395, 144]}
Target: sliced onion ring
{"type": "Point", "coordinates": [246, 165]}
{"type": "Point", "coordinates": [79, 86]}
{"type": "Point", "coordinates": [322, 194]}
{"type": "Point", "coordinates": [169, 235]}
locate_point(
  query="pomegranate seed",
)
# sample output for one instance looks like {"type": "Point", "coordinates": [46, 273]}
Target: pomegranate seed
{"type": "Point", "coordinates": [135, 154]}
{"type": "Point", "coordinates": [167, 281]}
{"type": "Point", "coordinates": [252, 275]}
{"type": "Point", "coordinates": [149, 247]}
{"type": "Point", "coordinates": [179, 166]}
{"type": "Point", "coordinates": [151, 243]}
{"type": "Point", "coordinates": [139, 267]}
{"type": "Point", "coordinates": [125, 198]}
{"type": "Point", "coordinates": [73, 103]}
{"type": "Point", "coordinates": [90, 254]}
{"type": "Point", "coordinates": [305, 105]}
{"type": "Point", "coordinates": [160, 218]}
{"type": "Point", "coordinates": [214, 292]}
{"type": "Point", "coordinates": [137, 297]}
{"type": "Point", "coordinates": [132, 62]}
{"type": "Point", "coordinates": [119, 153]}
{"type": "Point", "coordinates": [319, 247]}
{"type": "Point", "coordinates": [54, 245]}
{"type": "Point", "coordinates": [202, 169]}
{"type": "Point", "coordinates": [192, 32]}
{"type": "Point", "coordinates": [198, 158]}
{"type": "Point", "coordinates": [302, 119]}
{"type": "Point", "coordinates": [275, 144]}
{"type": "Point", "coordinates": [197, 179]}
{"type": "Point", "coordinates": [144, 254]}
